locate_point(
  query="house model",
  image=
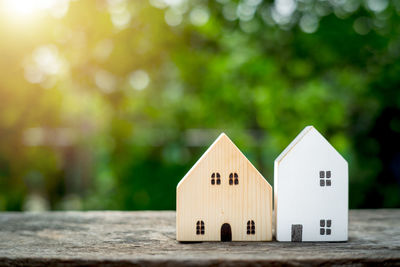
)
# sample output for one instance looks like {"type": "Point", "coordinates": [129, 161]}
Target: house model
{"type": "Point", "coordinates": [311, 190]}
{"type": "Point", "coordinates": [223, 197]}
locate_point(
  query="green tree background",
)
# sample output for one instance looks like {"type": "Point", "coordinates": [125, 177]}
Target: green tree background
{"type": "Point", "coordinates": [107, 104]}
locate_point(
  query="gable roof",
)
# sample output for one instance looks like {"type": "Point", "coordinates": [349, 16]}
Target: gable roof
{"type": "Point", "coordinates": [221, 138]}
{"type": "Point", "coordinates": [293, 143]}
{"type": "Point", "coordinates": [307, 130]}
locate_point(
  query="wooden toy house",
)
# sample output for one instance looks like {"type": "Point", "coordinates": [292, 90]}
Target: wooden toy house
{"type": "Point", "coordinates": [223, 197]}
{"type": "Point", "coordinates": [311, 190]}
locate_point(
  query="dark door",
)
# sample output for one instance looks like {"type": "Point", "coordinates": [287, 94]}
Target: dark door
{"type": "Point", "coordinates": [297, 232]}
{"type": "Point", "coordinates": [226, 233]}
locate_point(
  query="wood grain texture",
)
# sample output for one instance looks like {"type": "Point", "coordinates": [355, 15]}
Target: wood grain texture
{"type": "Point", "coordinates": [148, 238]}
{"type": "Point", "coordinates": [218, 203]}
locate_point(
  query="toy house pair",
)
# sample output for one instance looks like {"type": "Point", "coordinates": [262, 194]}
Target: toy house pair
{"type": "Point", "coordinates": [225, 198]}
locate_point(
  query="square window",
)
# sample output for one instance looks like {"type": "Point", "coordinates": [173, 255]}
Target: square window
{"type": "Point", "coordinates": [328, 174]}
{"type": "Point", "coordinates": [328, 231]}
{"type": "Point", "coordinates": [328, 223]}
{"type": "Point", "coordinates": [202, 232]}
{"type": "Point", "coordinates": [321, 231]}
{"type": "Point", "coordinates": [322, 182]}
{"type": "Point", "coordinates": [322, 223]}
{"type": "Point", "coordinates": [212, 181]}
{"type": "Point", "coordinates": [197, 232]}
{"type": "Point", "coordinates": [328, 182]}
{"type": "Point", "coordinates": [321, 174]}
{"type": "Point", "coordinates": [218, 181]}
{"type": "Point", "coordinates": [248, 232]}
{"type": "Point", "coordinates": [253, 232]}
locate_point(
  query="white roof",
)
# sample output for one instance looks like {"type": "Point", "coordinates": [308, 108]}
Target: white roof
{"type": "Point", "coordinates": [294, 142]}
{"type": "Point", "coordinates": [299, 138]}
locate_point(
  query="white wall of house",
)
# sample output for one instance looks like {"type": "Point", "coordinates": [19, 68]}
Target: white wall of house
{"type": "Point", "coordinates": [299, 196]}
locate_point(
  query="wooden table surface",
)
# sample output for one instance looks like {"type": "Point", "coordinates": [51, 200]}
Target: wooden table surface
{"type": "Point", "coordinates": [148, 238]}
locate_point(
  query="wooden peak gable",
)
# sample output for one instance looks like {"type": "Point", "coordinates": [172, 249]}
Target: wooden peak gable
{"type": "Point", "coordinates": [222, 143]}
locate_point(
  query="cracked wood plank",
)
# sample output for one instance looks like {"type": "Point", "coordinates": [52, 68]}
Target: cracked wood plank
{"type": "Point", "coordinates": [148, 238]}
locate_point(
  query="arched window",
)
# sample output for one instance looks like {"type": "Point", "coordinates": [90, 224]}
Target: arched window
{"type": "Point", "coordinates": [251, 228]}
{"type": "Point", "coordinates": [200, 228]}
{"type": "Point", "coordinates": [233, 178]}
{"type": "Point", "coordinates": [215, 178]}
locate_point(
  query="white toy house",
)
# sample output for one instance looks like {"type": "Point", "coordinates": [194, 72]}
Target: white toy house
{"type": "Point", "coordinates": [311, 190]}
{"type": "Point", "coordinates": [223, 197]}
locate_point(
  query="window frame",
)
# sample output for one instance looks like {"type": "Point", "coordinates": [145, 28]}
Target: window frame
{"type": "Point", "coordinates": [325, 227]}
{"type": "Point", "coordinates": [325, 178]}
{"type": "Point", "coordinates": [200, 228]}
{"type": "Point", "coordinates": [251, 227]}
{"type": "Point", "coordinates": [215, 178]}
{"type": "Point", "coordinates": [233, 178]}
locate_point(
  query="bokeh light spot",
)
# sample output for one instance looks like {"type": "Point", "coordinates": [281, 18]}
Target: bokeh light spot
{"type": "Point", "coordinates": [105, 81]}
{"type": "Point", "coordinates": [361, 25]}
{"type": "Point", "coordinates": [199, 16]}
{"type": "Point", "coordinates": [139, 79]}
{"type": "Point", "coordinates": [309, 23]}
{"type": "Point", "coordinates": [173, 17]}
{"type": "Point", "coordinates": [377, 5]}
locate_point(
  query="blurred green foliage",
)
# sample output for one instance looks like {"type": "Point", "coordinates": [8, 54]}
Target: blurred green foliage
{"type": "Point", "coordinates": [107, 104]}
